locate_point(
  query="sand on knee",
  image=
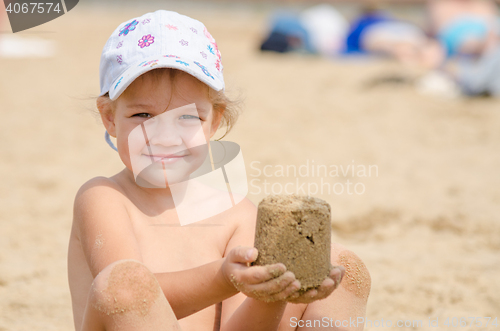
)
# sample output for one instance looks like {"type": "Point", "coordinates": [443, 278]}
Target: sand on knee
{"type": "Point", "coordinates": [130, 287]}
{"type": "Point", "coordinates": [357, 279]}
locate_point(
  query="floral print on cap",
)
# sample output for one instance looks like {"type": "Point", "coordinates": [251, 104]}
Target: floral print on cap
{"type": "Point", "coordinates": [214, 49]}
{"type": "Point", "coordinates": [204, 69]}
{"type": "Point", "coordinates": [185, 42]}
{"type": "Point", "coordinates": [148, 63]}
{"type": "Point", "coordinates": [171, 27]}
{"type": "Point", "coordinates": [146, 40]}
{"type": "Point", "coordinates": [128, 27]}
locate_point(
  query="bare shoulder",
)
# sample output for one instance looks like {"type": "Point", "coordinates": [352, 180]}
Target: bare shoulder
{"type": "Point", "coordinates": [102, 223]}
{"type": "Point", "coordinates": [97, 197]}
{"type": "Point", "coordinates": [98, 186]}
{"type": "Point", "coordinates": [244, 213]}
{"type": "Point", "coordinates": [96, 193]}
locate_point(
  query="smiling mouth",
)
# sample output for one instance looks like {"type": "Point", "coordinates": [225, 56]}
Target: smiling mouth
{"type": "Point", "coordinates": [167, 159]}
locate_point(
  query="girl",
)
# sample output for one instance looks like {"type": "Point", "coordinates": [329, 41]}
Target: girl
{"type": "Point", "coordinates": [132, 266]}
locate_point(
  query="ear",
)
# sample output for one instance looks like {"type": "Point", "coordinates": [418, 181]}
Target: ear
{"type": "Point", "coordinates": [217, 118]}
{"type": "Point", "coordinates": [105, 107]}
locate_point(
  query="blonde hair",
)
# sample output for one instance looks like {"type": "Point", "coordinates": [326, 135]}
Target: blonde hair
{"type": "Point", "coordinates": [224, 106]}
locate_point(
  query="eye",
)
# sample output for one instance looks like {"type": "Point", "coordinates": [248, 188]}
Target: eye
{"type": "Point", "coordinates": [189, 117]}
{"type": "Point", "coordinates": [142, 115]}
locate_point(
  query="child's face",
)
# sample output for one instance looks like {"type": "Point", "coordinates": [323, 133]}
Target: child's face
{"type": "Point", "coordinates": [162, 130]}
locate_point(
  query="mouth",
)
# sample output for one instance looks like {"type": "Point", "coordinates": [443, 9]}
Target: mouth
{"type": "Point", "coordinates": [166, 158]}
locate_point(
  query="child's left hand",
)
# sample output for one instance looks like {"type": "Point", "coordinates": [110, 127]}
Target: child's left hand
{"type": "Point", "coordinates": [324, 290]}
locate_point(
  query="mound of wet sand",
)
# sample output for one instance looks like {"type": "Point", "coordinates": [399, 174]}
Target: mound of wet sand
{"type": "Point", "coordinates": [295, 230]}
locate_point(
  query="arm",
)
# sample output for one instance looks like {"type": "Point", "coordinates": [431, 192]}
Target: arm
{"type": "Point", "coordinates": [196, 289]}
{"type": "Point", "coordinates": [103, 225]}
{"type": "Point", "coordinates": [241, 312]}
{"type": "Point", "coordinates": [263, 297]}
{"type": "Point", "coordinates": [106, 232]}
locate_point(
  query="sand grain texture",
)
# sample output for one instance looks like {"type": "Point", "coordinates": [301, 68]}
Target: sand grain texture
{"type": "Point", "coordinates": [296, 231]}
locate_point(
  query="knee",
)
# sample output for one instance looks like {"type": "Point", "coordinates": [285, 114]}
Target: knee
{"type": "Point", "coordinates": [357, 278]}
{"type": "Point", "coordinates": [124, 286]}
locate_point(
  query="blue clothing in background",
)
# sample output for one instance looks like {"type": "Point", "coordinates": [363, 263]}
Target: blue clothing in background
{"type": "Point", "coordinates": [353, 40]}
{"type": "Point", "coordinates": [482, 76]}
{"type": "Point", "coordinates": [284, 25]}
{"type": "Point", "coordinates": [453, 36]}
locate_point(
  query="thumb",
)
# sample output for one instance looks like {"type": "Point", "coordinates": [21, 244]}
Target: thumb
{"type": "Point", "coordinates": [242, 254]}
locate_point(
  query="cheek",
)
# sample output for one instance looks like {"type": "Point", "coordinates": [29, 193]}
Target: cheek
{"type": "Point", "coordinates": [135, 140]}
{"type": "Point", "coordinates": [208, 127]}
{"type": "Point", "coordinates": [129, 144]}
{"type": "Point", "coordinates": [124, 155]}
{"type": "Point", "coordinates": [197, 135]}
{"type": "Point", "coordinates": [134, 147]}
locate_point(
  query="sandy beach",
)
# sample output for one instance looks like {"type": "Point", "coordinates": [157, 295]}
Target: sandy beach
{"type": "Point", "coordinates": [420, 199]}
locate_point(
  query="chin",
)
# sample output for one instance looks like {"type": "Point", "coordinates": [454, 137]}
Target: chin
{"type": "Point", "coordinates": [155, 176]}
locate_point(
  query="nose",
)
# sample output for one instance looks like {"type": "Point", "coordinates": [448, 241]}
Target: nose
{"type": "Point", "coordinates": [163, 132]}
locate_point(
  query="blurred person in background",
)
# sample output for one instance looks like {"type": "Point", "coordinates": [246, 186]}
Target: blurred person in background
{"type": "Point", "coordinates": [464, 27]}
{"type": "Point", "coordinates": [318, 30]}
{"type": "Point", "coordinates": [377, 32]}
{"type": "Point", "coordinates": [323, 30]}
{"type": "Point", "coordinates": [468, 33]}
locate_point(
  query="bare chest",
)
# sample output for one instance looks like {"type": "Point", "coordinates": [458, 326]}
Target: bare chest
{"type": "Point", "coordinates": [170, 247]}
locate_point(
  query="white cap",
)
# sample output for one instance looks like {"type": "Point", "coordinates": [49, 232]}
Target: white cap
{"type": "Point", "coordinates": [162, 39]}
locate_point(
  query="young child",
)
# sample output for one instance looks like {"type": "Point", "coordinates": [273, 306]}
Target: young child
{"type": "Point", "coordinates": [131, 265]}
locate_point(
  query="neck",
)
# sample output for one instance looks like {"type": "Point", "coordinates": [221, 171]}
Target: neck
{"type": "Point", "coordinates": [154, 200]}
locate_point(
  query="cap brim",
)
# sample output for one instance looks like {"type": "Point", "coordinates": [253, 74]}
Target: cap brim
{"type": "Point", "coordinates": [165, 61]}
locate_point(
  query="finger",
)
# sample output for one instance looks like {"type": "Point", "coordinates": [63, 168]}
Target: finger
{"type": "Point", "coordinates": [279, 296]}
{"type": "Point", "coordinates": [275, 285]}
{"type": "Point", "coordinates": [323, 291]}
{"type": "Point", "coordinates": [291, 289]}
{"type": "Point", "coordinates": [261, 274]}
{"type": "Point", "coordinates": [336, 274]}
{"type": "Point", "coordinates": [242, 254]}
{"type": "Point", "coordinates": [292, 298]}
{"type": "Point", "coordinates": [304, 297]}
{"type": "Point", "coordinates": [243, 276]}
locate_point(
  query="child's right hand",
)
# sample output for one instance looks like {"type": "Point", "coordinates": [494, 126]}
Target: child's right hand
{"type": "Point", "coordinates": [267, 283]}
